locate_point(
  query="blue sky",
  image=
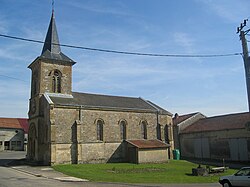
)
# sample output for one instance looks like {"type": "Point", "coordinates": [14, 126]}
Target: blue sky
{"type": "Point", "coordinates": [212, 86]}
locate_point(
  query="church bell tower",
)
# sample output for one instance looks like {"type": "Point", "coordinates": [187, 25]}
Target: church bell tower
{"type": "Point", "coordinates": [51, 74]}
{"type": "Point", "coordinates": [52, 70]}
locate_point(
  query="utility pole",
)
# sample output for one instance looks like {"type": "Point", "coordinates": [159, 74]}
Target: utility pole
{"type": "Point", "coordinates": [245, 55]}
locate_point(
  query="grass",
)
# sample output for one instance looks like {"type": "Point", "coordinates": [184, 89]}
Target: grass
{"type": "Point", "coordinates": [176, 171]}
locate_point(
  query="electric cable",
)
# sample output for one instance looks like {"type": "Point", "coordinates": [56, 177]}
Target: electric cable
{"type": "Point", "coordinates": [126, 52]}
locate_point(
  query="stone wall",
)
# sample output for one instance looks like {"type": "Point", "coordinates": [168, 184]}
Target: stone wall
{"type": "Point", "coordinates": [111, 128]}
{"type": "Point", "coordinates": [45, 76]}
{"type": "Point", "coordinates": [152, 156]}
{"type": "Point", "coordinates": [74, 134]}
{"type": "Point", "coordinates": [103, 152]}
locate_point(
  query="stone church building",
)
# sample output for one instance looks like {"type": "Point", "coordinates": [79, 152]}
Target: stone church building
{"type": "Point", "coordinates": [72, 127]}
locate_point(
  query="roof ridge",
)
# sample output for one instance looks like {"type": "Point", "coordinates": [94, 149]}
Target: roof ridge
{"type": "Point", "coordinates": [106, 95]}
{"type": "Point", "coordinates": [193, 113]}
{"type": "Point", "coordinates": [225, 115]}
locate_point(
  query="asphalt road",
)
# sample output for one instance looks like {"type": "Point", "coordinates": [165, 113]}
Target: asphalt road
{"type": "Point", "coordinates": [11, 177]}
{"type": "Point", "coordinates": [8, 156]}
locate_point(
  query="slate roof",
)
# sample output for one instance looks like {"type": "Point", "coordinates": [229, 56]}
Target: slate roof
{"type": "Point", "coordinates": [148, 144]}
{"type": "Point", "coordinates": [14, 123]}
{"type": "Point", "coordinates": [106, 102]}
{"type": "Point", "coordinates": [51, 47]}
{"type": "Point", "coordinates": [217, 123]}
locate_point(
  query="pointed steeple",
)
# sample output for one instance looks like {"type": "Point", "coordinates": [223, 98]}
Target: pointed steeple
{"type": "Point", "coordinates": [51, 47]}
{"type": "Point", "coordinates": [52, 39]}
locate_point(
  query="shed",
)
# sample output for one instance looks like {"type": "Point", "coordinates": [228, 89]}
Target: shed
{"type": "Point", "coordinates": [147, 151]}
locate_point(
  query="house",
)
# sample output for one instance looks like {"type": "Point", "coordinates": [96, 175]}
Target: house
{"type": "Point", "coordinates": [215, 138]}
{"type": "Point", "coordinates": [181, 122]}
{"type": "Point", "coordinates": [13, 134]}
{"type": "Point", "coordinates": [73, 127]}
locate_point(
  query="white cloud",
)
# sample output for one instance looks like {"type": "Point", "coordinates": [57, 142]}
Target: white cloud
{"type": "Point", "coordinates": [116, 9]}
{"type": "Point", "coordinates": [34, 34]}
{"type": "Point", "coordinates": [185, 41]}
{"type": "Point", "coordinates": [231, 10]}
{"type": "Point", "coordinates": [3, 26]}
{"type": "Point", "coordinates": [10, 52]}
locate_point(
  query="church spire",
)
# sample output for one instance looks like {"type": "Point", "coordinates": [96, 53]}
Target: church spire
{"type": "Point", "coordinates": [52, 40]}
{"type": "Point", "coordinates": [51, 48]}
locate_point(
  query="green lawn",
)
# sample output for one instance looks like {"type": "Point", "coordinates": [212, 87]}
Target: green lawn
{"type": "Point", "coordinates": [176, 171]}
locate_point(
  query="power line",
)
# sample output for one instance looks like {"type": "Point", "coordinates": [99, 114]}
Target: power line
{"type": "Point", "coordinates": [126, 52]}
{"type": "Point", "coordinates": [9, 77]}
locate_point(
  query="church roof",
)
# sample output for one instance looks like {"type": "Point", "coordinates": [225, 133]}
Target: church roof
{"type": "Point", "coordinates": [51, 47]}
{"type": "Point", "coordinates": [106, 102]}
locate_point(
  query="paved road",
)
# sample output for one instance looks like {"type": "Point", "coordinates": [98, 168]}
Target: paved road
{"type": "Point", "coordinates": [46, 177]}
{"type": "Point", "coordinates": [8, 156]}
{"type": "Point", "coordinates": [12, 178]}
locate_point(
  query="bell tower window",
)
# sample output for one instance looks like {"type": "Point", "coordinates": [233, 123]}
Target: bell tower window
{"type": "Point", "coordinates": [56, 81]}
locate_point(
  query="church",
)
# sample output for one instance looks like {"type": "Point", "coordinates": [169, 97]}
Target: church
{"type": "Point", "coordinates": [73, 127]}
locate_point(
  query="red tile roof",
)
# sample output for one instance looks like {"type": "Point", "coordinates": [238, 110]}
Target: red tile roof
{"type": "Point", "coordinates": [24, 124]}
{"type": "Point", "coordinates": [225, 122]}
{"type": "Point", "coordinates": [14, 123]}
{"type": "Point", "coordinates": [146, 144]}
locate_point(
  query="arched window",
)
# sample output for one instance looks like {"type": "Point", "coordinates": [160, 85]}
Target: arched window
{"type": "Point", "coordinates": [123, 130]}
{"type": "Point", "coordinates": [158, 131]}
{"type": "Point", "coordinates": [144, 129]}
{"type": "Point", "coordinates": [56, 81]}
{"type": "Point", "coordinates": [166, 133]}
{"type": "Point", "coordinates": [99, 128]}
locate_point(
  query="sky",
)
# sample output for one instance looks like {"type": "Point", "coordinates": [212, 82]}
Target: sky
{"type": "Point", "coordinates": [212, 86]}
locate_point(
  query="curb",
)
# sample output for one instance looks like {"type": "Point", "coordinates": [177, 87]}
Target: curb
{"type": "Point", "coordinates": [28, 172]}
{"type": "Point", "coordinates": [63, 179]}
{"type": "Point", "coordinates": [71, 179]}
